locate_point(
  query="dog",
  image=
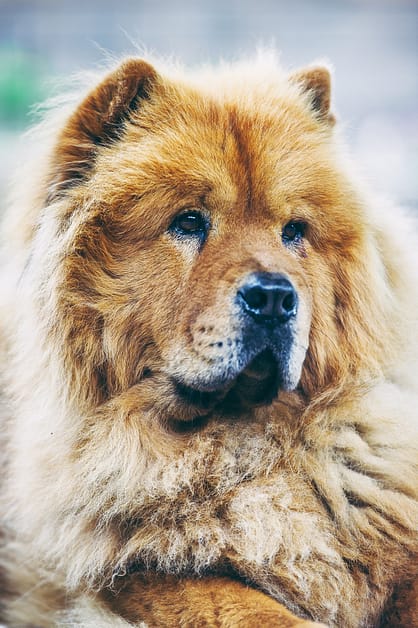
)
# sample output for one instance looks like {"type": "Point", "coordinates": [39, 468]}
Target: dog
{"type": "Point", "coordinates": [208, 338]}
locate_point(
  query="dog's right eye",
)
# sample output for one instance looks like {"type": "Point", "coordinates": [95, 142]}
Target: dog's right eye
{"type": "Point", "coordinates": [190, 223]}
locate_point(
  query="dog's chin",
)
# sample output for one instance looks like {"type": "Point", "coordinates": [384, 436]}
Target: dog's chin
{"type": "Point", "coordinates": [256, 384]}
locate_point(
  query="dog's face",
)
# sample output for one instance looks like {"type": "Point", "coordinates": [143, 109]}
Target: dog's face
{"type": "Point", "coordinates": [212, 240]}
{"type": "Point", "coordinates": [239, 303]}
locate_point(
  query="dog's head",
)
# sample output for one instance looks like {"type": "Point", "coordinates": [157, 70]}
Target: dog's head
{"type": "Point", "coordinates": [209, 235]}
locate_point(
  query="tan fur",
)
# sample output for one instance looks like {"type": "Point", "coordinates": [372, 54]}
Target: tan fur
{"type": "Point", "coordinates": [126, 501]}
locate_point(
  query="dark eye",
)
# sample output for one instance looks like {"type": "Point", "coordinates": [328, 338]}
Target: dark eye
{"type": "Point", "coordinates": [190, 223]}
{"type": "Point", "coordinates": [293, 232]}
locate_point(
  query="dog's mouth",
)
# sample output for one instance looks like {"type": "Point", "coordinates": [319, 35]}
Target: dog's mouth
{"type": "Point", "coordinates": [201, 399]}
{"type": "Point", "coordinates": [257, 384]}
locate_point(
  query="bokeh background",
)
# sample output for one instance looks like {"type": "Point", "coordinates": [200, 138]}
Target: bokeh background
{"type": "Point", "coordinates": [372, 45]}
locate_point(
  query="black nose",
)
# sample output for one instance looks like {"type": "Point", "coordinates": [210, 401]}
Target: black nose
{"type": "Point", "coordinates": [268, 297]}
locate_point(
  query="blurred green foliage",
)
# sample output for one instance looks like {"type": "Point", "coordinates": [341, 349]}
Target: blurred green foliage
{"type": "Point", "coordinates": [22, 84]}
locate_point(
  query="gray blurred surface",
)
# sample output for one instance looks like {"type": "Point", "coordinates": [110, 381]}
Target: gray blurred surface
{"type": "Point", "coordinates": [371, 44]}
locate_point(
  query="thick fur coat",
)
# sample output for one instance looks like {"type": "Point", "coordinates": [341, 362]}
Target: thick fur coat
{"type": "Point", "coordinates": [208, 335]}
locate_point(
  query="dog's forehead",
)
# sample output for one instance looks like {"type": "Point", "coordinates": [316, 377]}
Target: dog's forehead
{"type": "Point", "coordinates": [225, 152]}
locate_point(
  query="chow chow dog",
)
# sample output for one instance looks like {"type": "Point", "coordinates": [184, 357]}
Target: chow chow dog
{"type": "Point", "coordinates": [209, 347]}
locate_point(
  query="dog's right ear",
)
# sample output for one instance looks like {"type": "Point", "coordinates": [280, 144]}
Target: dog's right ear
{"type": "Point", "coordinates": [316, 81]}
{"type": "Point", "coordinates": [98, 120]}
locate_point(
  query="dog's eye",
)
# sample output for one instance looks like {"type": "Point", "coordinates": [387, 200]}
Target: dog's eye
{"type": "Point", "coordinates": [293, 232]}
{"type": "Point", "coordinates": [190, 223]}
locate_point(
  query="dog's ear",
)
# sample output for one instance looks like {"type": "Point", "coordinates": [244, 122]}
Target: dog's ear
{"type": "Point", "coordinates": [316, 81]}
{"type": "Point", "coordinates": [98, 121]}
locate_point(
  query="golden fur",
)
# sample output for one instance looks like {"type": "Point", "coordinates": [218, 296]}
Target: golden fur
{"type": "Point", "coordinates": [128, 499]}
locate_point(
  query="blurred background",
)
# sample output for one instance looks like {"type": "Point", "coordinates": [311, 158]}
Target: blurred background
{"type": "Point", "coordinates": [372, 45]}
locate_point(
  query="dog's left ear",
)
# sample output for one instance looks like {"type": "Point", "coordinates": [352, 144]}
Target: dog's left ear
{"type": "Point", "coordinates": [316, 81]}
{"type": "Point", "coordinates": [98, 121]}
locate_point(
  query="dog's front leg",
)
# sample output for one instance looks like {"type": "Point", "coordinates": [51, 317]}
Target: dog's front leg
{"type": "Point", "coordinates": [168, 602]}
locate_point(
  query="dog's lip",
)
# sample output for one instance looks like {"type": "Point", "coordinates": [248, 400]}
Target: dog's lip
{"type": "Point", "coordinates": [259, 382]}
{"type": "Point", "coordinates": [260, 378]}
{"type": "Point", "coordinates": [204, 399]}
{"type": "Point", "coordinates": [260, 367]}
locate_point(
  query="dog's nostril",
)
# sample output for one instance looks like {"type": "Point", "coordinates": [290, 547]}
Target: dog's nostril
{"type": "Point", "coordinates": [255, 297]}
{"type": "Point", "coordinates": [269, 297]}
{"type": "Point", "coordinates": [289, 302]}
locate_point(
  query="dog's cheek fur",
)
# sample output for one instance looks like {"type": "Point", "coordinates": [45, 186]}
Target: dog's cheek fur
{"type": "Point", "coordinates": [348, 331]}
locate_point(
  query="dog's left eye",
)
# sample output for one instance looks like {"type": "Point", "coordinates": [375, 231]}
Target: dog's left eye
{"type": "Point", "coordinates": [190, 223]}
{"type": "Point", "coordinates": [293, 232]}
